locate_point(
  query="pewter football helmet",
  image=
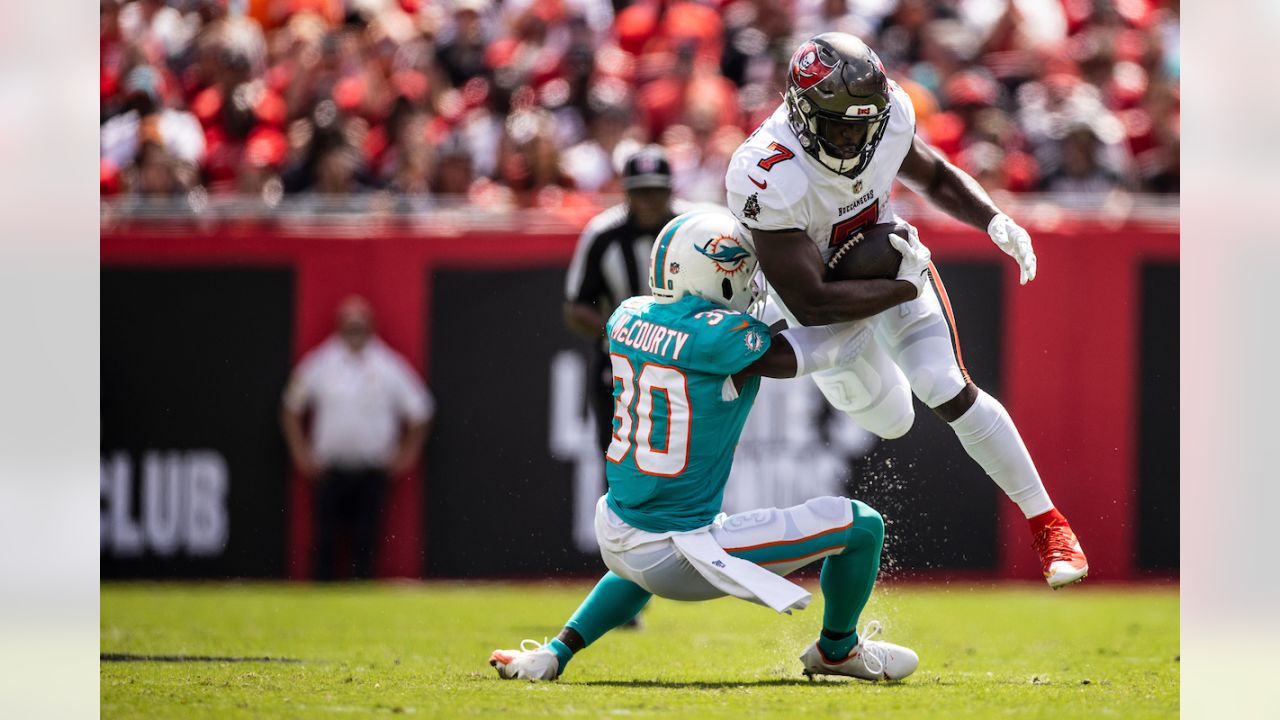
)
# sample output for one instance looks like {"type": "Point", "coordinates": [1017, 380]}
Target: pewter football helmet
{"type": "Point", "coordinates": [838, 101]}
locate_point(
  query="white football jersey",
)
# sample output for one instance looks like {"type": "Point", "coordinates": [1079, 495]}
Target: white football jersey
{"type": "Point", "coordinates": [773, 184]}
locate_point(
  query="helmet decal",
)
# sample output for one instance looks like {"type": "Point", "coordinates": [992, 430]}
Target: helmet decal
{"type": "Point", "coordinates": [807, 66]}
{"type": "Point", "coordinates": [726, 253]}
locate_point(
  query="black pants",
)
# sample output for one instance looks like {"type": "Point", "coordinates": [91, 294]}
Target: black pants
{"type": "Point", "coordinates": [600, 393]}
{"type": "Point", "coordinates": [348, 500]}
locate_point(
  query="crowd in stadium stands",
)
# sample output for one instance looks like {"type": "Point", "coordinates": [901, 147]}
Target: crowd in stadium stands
{"type": "Point", "coordinates": [535, 103]}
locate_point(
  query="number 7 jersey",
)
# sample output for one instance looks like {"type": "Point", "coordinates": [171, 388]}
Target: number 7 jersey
{"type": "Point", "coordinates": [773, 184]}
{"type": "Point", "coordinates": [677, 417]}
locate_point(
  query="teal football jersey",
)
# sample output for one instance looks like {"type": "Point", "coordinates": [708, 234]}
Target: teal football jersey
{"type": "Point", "coordinates": [676, 421]}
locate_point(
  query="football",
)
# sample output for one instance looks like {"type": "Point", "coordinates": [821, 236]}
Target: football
{"type": "Point", "coordinates": [867, 255]}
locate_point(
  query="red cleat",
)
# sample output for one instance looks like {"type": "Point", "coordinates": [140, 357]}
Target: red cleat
{"type": "Point", "coordinates": [1061, 558]}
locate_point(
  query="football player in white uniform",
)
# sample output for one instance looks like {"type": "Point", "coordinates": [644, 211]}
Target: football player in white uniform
{"type": "Point", "coordinates": [815, 173]}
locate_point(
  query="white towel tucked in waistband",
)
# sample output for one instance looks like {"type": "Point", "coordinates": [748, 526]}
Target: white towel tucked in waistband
{"type": "Point", "coordinates": [733, 576]}
{"type": "Point", "coordinates": [737, 577]}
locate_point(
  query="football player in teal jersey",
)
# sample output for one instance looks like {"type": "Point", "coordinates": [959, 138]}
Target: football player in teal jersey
{"type": "Point", "coordinates": [687, 364]}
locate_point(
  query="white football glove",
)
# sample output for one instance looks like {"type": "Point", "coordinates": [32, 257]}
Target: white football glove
{"type": "Point", "coordinates": [915, 258]}
{"type": "Point", "coordinates": [1015, 242]}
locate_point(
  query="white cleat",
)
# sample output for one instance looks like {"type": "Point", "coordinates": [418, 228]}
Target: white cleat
{"type": "Point", "coordinates": [1061, 556]}
{"type": "Point", "coordinates": [1065, 572]}
{"type": "Point", "coordinates": [869, 659]}
{"type": "Point", "coordinates": [527, 663]}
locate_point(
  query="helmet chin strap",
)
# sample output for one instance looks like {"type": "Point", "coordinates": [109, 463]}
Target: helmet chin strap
{"type": "Point", "coordinates": [837, 164]}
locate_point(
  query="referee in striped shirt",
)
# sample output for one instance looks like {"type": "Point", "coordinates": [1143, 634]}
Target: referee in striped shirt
{"type": "Point", "coordinates": [611, 264]}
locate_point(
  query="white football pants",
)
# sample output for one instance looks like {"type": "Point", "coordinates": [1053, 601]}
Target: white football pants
{"type": "Point", "coordinates": [913, 350]}
{"type": "Point", "coordinates": [796, 536]}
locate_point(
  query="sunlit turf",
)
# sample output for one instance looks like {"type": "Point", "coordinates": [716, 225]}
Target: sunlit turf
{"type": "Point", "coordinates": [421, 649]}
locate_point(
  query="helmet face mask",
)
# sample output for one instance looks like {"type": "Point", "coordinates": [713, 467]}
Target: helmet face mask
{"type": "Point", "coordinates": [838, 101]}
{"type": "Point", "coordinates": [841, 138]}
{"type": "Point", "coordinates": [708, 255]}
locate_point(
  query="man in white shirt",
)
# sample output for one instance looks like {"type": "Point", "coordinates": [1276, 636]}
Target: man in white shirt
{"type": "Point", "coordinates": [370, 417]}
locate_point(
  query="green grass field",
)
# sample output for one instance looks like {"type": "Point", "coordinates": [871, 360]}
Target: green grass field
{"type": "Point", "coordinates": [422, 650]}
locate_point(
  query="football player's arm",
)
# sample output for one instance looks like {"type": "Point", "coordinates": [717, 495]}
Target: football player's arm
{"type": "Point", "coordinates": [953, 190]}
{"type": "Point", "coordinates": [779, 361]}
{"type": "Point", "coordinates": [802, 350]}
{"type": "Point", "coordinates": [584, 285]}
{"type": "Point", "coordinates": [795, 269]}
{"type": "Point", "coordinates": [584, 319]}
{"type": "Point", "coordinates": [925, 171]}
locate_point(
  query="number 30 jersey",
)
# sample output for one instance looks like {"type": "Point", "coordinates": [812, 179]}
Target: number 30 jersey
{"type": "Point", "coordinates": [773, 184]}
{"type": "Point", "coordinates": [677, 417]}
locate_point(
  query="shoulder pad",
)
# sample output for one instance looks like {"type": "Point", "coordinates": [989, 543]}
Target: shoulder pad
{"type": "Point", "coordinates": [636, 305]}
{"type": "Point", "coordinates": [630, 306]}
{"type": "Point", "coordinates": [725, 345]}
{"type": "Point", "coordinates": [766, 199]}
{"type": "Point", "coordinates": [903, 109]}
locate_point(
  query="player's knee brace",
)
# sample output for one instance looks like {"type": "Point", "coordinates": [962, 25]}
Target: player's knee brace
{"type": "Point", "coordinates": [931, 368]}
{"type": "Point", "coordinates": [892, 419]}
{"type": "Point", "coordinates": [868, 528]}
{"type": "Point", "coordinates": [934, 388]}
{"type": "Point", "coordinates": [877, 405]}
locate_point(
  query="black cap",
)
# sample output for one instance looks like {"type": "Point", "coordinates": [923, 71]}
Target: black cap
{"type": "Point", "coordinates": [648, 168]}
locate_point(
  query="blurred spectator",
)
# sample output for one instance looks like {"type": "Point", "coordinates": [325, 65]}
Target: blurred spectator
{"type": "Point", "coordinates": [531, 102]}
{"type": "Point", "coordinates": [856, 17]}
{"type": "Point", "coordinates": [370, 414]}
{"type": "Point", "coordinates": [461, 51]}
{"type": "Point", "coordinates": [1081, 171]}
{"type": "Point", "coordinates": [155, 173]}
{"type": "Point", "coordinates": [590, 163]}
{"type": "Point", "coordinates": [527, 156]}
{"type": "Point", "coordinates": [1055, 116]}
{"type": "Point", "coordinates": [144, 118]}
{"type": "Point", "coordinates": [453, 174]}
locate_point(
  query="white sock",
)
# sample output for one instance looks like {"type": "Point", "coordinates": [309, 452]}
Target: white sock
{"type": "Point", "coordinates": [989, 436]}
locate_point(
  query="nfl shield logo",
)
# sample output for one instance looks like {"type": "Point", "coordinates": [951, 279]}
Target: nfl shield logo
{"type": "Point", "coordinates": [857, 187]}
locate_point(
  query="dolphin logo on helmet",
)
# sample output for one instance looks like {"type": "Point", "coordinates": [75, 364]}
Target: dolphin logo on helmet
{"type": "Point", "coordinates": [727, 254]}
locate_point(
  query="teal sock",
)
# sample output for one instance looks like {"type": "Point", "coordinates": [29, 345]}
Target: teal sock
{"type": "Point", "coordinates": [612, 602]}
{"type": "Point", "coordinates": [837, 646]}
{"type": "Point", "coordinates": [562, 651]}
{"type": "Point", "coordinates": [847, 580]}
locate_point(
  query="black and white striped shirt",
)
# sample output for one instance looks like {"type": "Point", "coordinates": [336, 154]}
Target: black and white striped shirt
{"type": "Point", "coordinates": [611, 261]}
